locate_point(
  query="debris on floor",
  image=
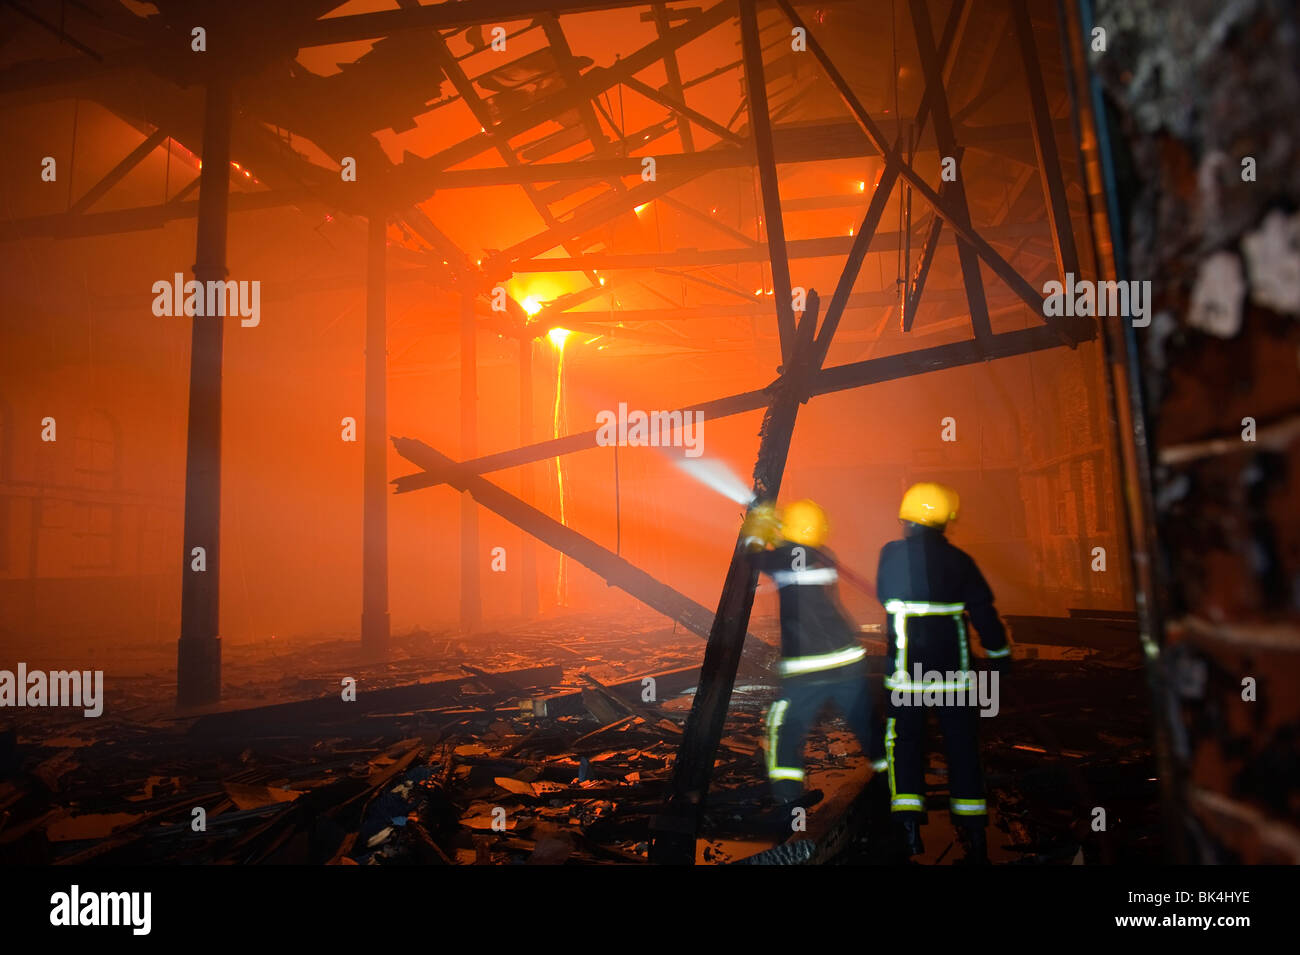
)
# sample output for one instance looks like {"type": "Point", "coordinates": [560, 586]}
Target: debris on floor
{"type": "Point", "coordinates": [546, 750]}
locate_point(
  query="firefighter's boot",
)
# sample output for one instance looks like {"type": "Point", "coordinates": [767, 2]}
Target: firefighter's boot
{"type": "Point", "coordinates": [975, 843]}
{"type": "Point", "coordinates": [912, 837]}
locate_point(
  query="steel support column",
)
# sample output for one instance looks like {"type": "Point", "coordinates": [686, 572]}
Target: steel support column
{"type": "Point", "coordinates": [528, 602]}
{"type": "Point", "coordinates": [198, 657]}
{"type": "Point", "coordinates": [673, 832]}
{"type": "Point", "coordinates": [471, 603]}
{"type": "Point", "coordinates": [374, 547]}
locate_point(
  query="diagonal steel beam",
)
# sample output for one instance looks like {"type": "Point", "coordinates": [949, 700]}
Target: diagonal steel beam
{"type": "Point", "coordinates": [760, 129]}
{"type": "Point", "coordinates": [470, 96]}
{"type": "Point", "coordinates": [932, 98]}
{"type": "Point", "coordinates": [849, 275]}
{"type": "Point", "coordinates": [995, 262]}
{"type": "Point", "coordinates": [944, 136]}
{"type": "Point", "coordinates": [953, 33]}
{"type": "Point", "coordinates": [119, 172]}
{"type": "Point", "coordinates": [677, 105]}
{"type": "Point", "coordinates": [569, 69]}
{"type": "Point", "coordinates": [1049, 158]}
{"type": "Point", "coordinates": [674, 73]}
{"type": "Point", "coordinates": [612, 568]}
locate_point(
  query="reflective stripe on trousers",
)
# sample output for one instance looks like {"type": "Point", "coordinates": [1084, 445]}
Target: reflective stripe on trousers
{"type": "Point", "coordinates": [775, 717]}
{"type": "Point", "coordinates": [901, 610]}
{"type": "Point", "coordinates": [898, 802]}
{"type": "Point", "coordinates": [968, 807]}
{"type": "Point", "coordinates": [792, 666]}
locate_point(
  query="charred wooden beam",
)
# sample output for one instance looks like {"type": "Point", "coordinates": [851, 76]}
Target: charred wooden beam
{"type": "Point", "coordinates": [308, 715]}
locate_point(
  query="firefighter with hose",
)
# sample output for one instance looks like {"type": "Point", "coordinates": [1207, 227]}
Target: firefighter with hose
{"type": "Point", "coordinates": [822, 662]}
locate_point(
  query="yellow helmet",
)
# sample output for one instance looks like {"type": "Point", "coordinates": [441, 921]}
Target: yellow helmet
{"type": "Point", "coordinates": [804, 522]}
{"type": "Point", "coordinates": [933, 505]}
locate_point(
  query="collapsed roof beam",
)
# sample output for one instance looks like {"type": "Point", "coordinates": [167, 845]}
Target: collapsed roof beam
{"type": "Point", "coordinates": [422, 178]}
{"type": "Point", "coordinates": [440, 16]}
{"type": "Point", "coordinates": [612, 568]}
{"type": "Point", "coordinates": [461, 81]}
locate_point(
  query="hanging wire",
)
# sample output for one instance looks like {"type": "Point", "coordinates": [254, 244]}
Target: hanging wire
{"type": "Point", "coordinates": [72, 155]}
{"type": "Point", "coordinates": [618, 508]}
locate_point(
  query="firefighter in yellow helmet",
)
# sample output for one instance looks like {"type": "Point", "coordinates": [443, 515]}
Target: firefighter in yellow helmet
{"type": "Point", "coordinates": [930, 589]}
{"type": "Point", "coordinates": [822, 661]}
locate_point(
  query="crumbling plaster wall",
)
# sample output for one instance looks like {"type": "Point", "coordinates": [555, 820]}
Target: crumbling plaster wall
{"type": "Point", "coordinates": [1205, 96]}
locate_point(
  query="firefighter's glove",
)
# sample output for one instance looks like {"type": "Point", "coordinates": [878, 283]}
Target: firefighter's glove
{"type": "Point", "coordinates": [761, 528]}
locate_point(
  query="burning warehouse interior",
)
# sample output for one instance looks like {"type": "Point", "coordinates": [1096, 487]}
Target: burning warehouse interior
{"type": "Point", "coordinates": [599, 432]}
